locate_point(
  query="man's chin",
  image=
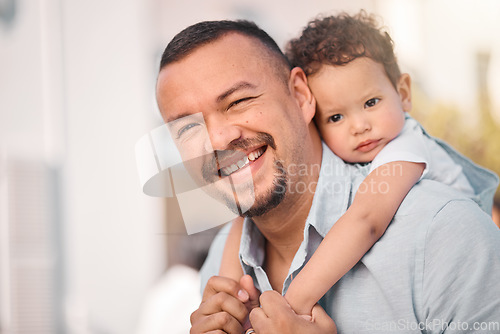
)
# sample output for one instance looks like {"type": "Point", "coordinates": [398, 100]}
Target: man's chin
{"type": "Point", "coordinates": [269, 202]}
{"type": "Point", "coordinates": [251, 208]}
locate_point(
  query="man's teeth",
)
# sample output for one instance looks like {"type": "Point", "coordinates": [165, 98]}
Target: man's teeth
{"type": "Point", "coordinates": [255, 154]}
{"type": "Point", "coordinates": [243, 162]}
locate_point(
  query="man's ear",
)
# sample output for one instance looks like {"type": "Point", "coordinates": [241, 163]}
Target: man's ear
{"type": "Point", "coordinates": [302, 93]}
{"type": "Point", "coordinates": [404, 91]}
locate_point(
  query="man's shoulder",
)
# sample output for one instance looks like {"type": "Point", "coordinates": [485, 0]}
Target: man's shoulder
{"type": "Point", "coordinates": [457, 254]}
{"type": "Point", "coordinates": [428, 198]}
{"type": "Point", "coordinates": [439, 257]}
{"type": "Point", "coordinates": [435, 211]}
{"type": "Point", "coordinates": [431, 194]}
{"type": "Point", "coordinates": [435, 227]}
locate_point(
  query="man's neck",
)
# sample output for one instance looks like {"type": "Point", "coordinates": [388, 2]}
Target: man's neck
{"type": "Point", "coordinates": [283, 227]}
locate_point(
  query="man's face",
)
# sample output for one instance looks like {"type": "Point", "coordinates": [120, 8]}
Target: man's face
{"type": "Point", "coordinates": [227, 97]}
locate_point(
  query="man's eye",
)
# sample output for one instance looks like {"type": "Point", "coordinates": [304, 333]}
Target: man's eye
{"type": "Point", "coordinates": [335, 118]}
{"type": "Point", "coordinates": [186, 128]}
{"type": "Point", "coordinates": [371, 102]}
{"type": "Point", "coordinates": [234, 103]}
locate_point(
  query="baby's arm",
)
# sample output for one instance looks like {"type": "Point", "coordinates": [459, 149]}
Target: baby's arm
{"type": "Point", "coordinates": [230, 265]}
{"type": "Point", "coordinates": [366, 220]}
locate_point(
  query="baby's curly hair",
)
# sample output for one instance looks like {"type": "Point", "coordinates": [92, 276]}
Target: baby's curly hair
{"type": "Point", "coordinates": [338, 40]}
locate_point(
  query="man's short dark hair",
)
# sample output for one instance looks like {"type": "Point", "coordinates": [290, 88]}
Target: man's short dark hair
{"type": "Point", "coordinates": [205, 32]}
{"type": "Point", "coordinates": [338, 40]}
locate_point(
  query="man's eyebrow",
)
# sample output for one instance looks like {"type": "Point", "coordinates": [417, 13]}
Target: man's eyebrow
{"type": "Point", "coordinates": [176, 117]}
{"type": "Point", "coordinates": [234, 88]}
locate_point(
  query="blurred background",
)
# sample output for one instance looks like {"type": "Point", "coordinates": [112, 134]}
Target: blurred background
{"type": "Point", "coordinates": [82, 250]}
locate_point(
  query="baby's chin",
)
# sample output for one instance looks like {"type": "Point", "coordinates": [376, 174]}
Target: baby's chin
{"type": "Point", "coordinates": [360, 158]}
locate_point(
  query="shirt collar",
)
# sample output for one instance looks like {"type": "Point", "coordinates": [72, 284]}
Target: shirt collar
{"type": "Point", "coordinates": [333, 192]}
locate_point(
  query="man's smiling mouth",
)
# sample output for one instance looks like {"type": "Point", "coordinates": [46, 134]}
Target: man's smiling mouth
{"type": "Point", "coordinates": [243, 162]}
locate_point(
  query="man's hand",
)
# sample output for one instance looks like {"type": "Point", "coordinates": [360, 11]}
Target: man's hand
{"type": "Point", "coordinates": [225, 306]}
{"type": "Point", "coordinates": [276, 316]}
{"type": "Point", "coordinates": [246, 282]}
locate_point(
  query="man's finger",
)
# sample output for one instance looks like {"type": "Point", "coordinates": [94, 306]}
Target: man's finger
{"type": "Point", "coordinates": [323, 319]}
{"type": "Point", "coordinates": [246, 282]}
{"type": "Point", "coordinates": [274, 303]}
{"type": "Point", "coordinates": [222, 302]}
{"type": "Point", "coordinates": [218, 284]}
{"type": "Point", "coordinates": [221, 322]}
{"type": "Point", "coordinates": [258, 318]}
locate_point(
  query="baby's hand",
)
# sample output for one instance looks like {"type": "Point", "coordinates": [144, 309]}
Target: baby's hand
{"type": "Point", "coordinates": [299, 308]}
{"type": "Point", "coordinates": [307, 317]}
{"type": "Point", "coordinates": [276, 316]}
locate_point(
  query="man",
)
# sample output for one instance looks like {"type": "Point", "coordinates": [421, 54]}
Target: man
{"type": "Point", "coordinates": [436, 264]}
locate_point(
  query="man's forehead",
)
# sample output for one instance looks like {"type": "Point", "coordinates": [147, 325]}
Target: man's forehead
{"type": "Point", "coordinates": [209, 72]}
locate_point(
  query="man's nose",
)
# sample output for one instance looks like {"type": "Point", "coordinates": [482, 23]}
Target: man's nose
{"type": "Point", "coordinates": [222, 132]}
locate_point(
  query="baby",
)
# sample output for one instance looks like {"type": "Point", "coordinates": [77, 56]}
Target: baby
{"type": "Point", "coordinates": [361, 112]}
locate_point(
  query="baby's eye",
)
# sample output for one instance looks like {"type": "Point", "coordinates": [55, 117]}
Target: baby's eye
{"type": "Point", "coordinates": [335, 118]}
{"type": "Point", "coordinates": [371, 102]}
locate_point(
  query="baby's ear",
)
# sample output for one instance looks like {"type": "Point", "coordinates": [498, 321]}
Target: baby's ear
{"type": "Point", "coordinates": [302, 93]}
{"type": "Point", "coordinates": [404, 91]}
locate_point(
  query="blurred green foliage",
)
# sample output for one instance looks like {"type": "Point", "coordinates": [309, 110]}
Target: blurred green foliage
{"type": "Point", "coordinates": [474, 134]}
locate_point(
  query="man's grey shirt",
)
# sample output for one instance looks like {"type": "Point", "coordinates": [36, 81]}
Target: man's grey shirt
{"type": "Point", "coordinates": [436, 269]}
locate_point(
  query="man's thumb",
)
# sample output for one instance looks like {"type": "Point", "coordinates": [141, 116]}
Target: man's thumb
{"type": "Point", "coordinates": [322, 318]}
{"type": "Point", "coordinates": [246, 282]}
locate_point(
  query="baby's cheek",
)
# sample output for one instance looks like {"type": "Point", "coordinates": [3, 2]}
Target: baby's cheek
{"type": "Point", "coordinates": [338, 145]}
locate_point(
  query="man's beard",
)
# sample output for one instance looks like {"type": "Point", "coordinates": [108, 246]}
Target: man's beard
{"type": "Point", "coordinates": [273, 197]}
{"type": "Point", "coordinates": [265, 202]}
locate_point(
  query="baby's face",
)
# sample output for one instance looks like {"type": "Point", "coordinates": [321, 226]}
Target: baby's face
{"type": "Point", "coordinates": [358, 109]}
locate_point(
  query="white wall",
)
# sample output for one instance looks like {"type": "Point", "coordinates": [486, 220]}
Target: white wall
{"type": "Point", "coordinates": [116, 237]}
{"type": "Point", "coordinates": [76, 91]}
